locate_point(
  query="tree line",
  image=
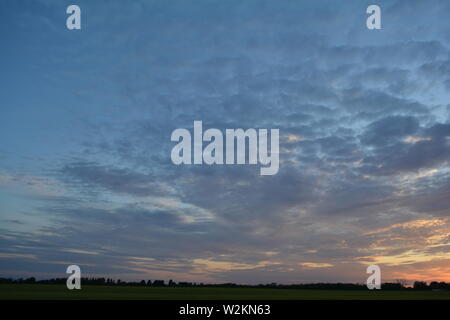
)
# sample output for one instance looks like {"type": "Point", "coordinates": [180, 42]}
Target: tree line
{"type": "Point", "coordinates": [418, 285]}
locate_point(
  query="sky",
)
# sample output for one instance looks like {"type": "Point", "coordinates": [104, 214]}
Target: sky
{"type": "Point", "coordinates": [86, 117]}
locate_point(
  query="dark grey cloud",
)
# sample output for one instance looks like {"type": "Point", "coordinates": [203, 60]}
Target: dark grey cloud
{"type": "Point", "coordinates": [389, 129]}
{"type": "Point", "coordinates": [113, 179]}
{"type": "Point", "coordinates": [400, 157]}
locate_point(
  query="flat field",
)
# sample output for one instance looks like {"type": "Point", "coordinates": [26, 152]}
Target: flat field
{"type": "Point", "coordinates": [88, 292]}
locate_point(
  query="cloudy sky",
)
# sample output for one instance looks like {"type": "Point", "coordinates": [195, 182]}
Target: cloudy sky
{"type": "Point", "coordinates": [86, 117]}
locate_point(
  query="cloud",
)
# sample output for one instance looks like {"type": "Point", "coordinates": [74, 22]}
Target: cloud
{"type": "Point", "coordinates": [116, 180]}
{"type": "Point", "coordinates": [364, 127]}
{"type": "Point", "coordinates": [383, 131]}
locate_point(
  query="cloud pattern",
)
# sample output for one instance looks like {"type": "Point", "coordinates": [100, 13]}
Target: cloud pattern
{"type": "Point", "coordinates": [364, 125]}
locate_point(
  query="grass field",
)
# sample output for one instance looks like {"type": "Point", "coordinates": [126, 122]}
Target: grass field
{"type": "Point", "coordinates": [52, 292]}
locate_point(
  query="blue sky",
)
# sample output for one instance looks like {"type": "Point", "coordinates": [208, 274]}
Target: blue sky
{"type": "Point", "coordinates": [86, 117]}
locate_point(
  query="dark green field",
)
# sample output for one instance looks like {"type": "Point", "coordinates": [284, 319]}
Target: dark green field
{"type": "Point", "coordinates": [45, 292]}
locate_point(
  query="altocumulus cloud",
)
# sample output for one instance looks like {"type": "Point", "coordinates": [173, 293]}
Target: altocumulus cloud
{"type": "Point", "coordinates": [364, 141]}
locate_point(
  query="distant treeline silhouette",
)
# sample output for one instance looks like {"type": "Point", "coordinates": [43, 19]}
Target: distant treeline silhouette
{"type": "Point", "coordinates": [418, 285]}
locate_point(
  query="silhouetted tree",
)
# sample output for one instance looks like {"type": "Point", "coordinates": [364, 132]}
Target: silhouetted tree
{"type": "Point", "coordinates": [158, 283]}
{"type": "Point", "coordinates": [420, 285]}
